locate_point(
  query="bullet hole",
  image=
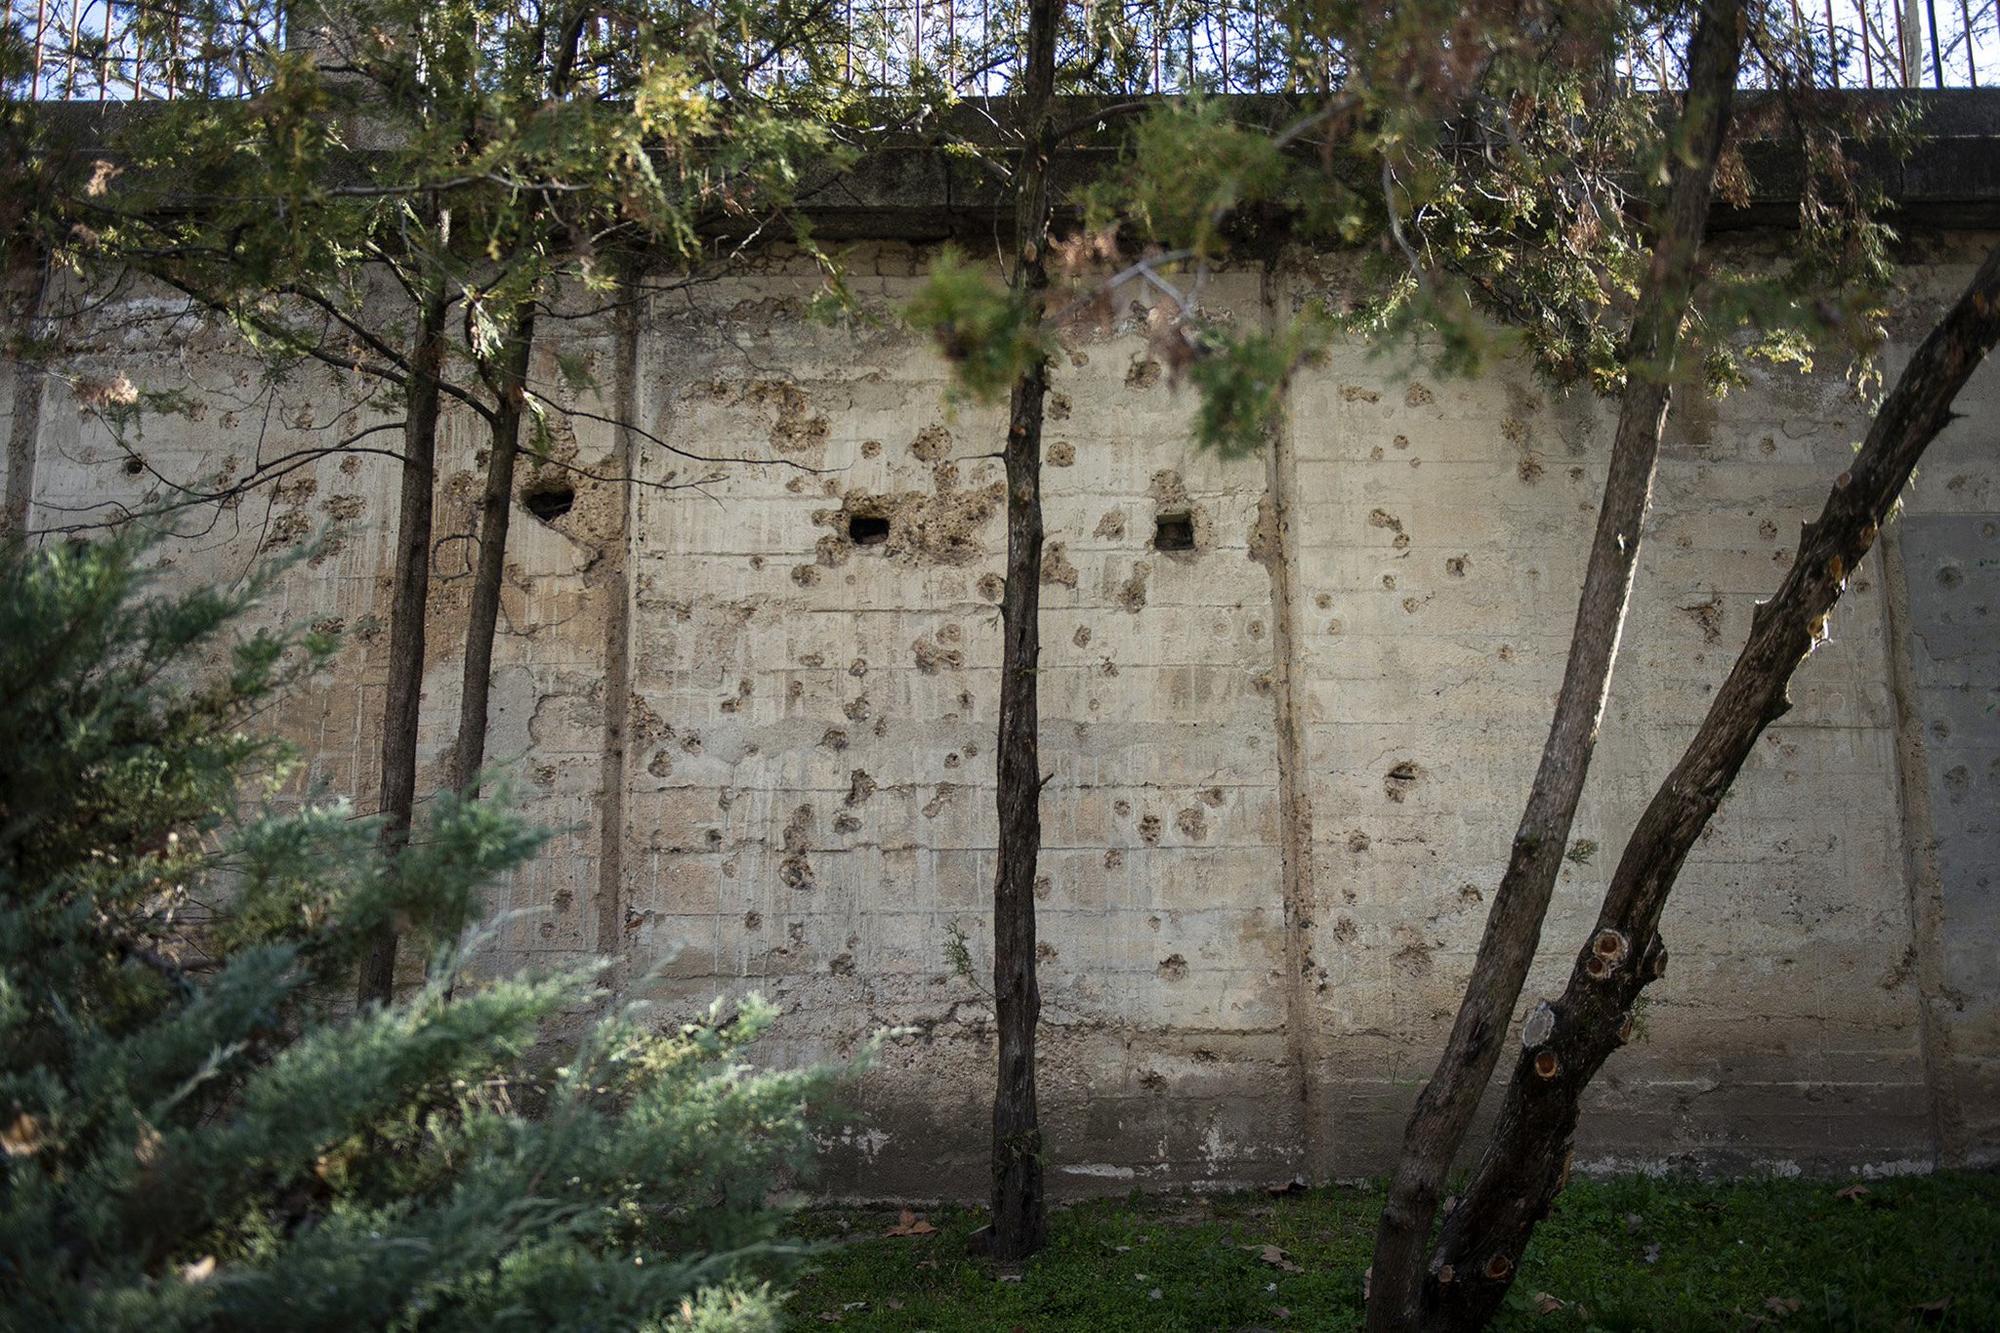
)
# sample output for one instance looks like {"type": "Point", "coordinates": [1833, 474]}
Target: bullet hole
{"type": "Point", "coordinates": [1950, 577]}
{"type": "Point", "coordinates": [134, 465]}
{"type": "Point", "coordinates": [867, 529]}
{"type": "Point", "coordinates": [1357, 841]}
{"type": "Point", "coordinates": [1455, 566]}
{"type": "Point", "coordinates": [1149, 830]}
{"type": "Point", "coordinates": [549, 500]}
{"type": "Point", "coordinates": [1173, 967]}
{"type": "Point", "coordinates": [1173, 532]}
{"type": "Point", "coordinates": [1396, 784]}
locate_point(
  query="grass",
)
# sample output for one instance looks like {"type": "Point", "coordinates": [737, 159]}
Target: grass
{"type": "Point", "coordinates": [1626, 1253]}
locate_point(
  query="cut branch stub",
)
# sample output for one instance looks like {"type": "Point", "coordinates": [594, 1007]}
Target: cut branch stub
{"type": "Point", "coordinates": [1546, 1064]}
{"type": "Point", "coordinates": [1498, 1267]}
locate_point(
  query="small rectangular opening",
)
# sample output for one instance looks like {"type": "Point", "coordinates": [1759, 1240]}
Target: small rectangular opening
{"type": "Point", "coordinates": [1173, 532]}
{"type": "Point", "coordinates": [867, 530]}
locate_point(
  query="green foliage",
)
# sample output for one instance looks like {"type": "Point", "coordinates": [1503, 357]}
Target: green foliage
{"type": "Point", "coordinates": [981, 327]}
{"type": "Point", "coordinates": [1242, 382]}
{"type": "Point", "coordinates": [196, 1137]}
{"type": "Point", "coordinates": [1632, 1253]}
{"type": "Point", "coordinates": [1220, 166]}
{"type": "Point", "coordinates": [1492, 195]}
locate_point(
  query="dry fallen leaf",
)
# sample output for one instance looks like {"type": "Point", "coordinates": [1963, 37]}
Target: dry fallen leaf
{"type": "Point", "coordinates": [1852, 1192]}
{"type": "Point", "coordinates": [200, 1270]}
{"type": "Point", "coordinates": [1281, 1312]}
{"type": "Point", "coordinates": [1932, 1312]}
{"type": "Point", "coordinates": [894, 1302]}
{"type": "Point", "coordinates": [1547, 1304]}
{"type": "Point", "coordinates": [1782, 1305]}
{"type": "Point", "coordinates": [1276, 1258]}
{"type": "Point", "coordinates": [911, 1224]}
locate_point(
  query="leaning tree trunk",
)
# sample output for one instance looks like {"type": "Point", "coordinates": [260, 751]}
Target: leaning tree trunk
{"type": "Point", "coordinates": [408, 601]}
{"type": "Point", "coordinates": [1565, 1043]}
{"type": "Point", "coordinates": [1445, 1108]}
{"type": "Point", "coordinates": [1020, 1215]}
{"type": "Point", "coordinates": [496, 509]}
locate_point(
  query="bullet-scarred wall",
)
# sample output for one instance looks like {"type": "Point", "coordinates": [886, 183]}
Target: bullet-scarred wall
{"type": "Point", "coordinates": [1291, 704]}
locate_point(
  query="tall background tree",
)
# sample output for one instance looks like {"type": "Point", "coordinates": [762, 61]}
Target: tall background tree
{"type": "Point", "coordinates": [413, 184]}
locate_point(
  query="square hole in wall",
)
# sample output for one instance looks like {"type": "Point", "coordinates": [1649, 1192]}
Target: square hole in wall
{"type": "Point", "coordinates": [867, 529]}
{"type": "Point", "coordinates": [1173, 532]}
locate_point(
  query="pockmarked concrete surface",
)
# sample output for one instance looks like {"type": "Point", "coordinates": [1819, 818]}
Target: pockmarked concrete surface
{"type": "Point", "coordinates": [1291, 703]}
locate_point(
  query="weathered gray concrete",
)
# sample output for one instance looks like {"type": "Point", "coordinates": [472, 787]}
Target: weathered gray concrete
{"type": "Point", "coordinates": [1287, 762]}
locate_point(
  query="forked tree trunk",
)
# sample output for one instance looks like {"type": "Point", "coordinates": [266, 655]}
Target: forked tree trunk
{"type": "Point", "coordinates": [1528, 1159]}
{"type": "Point", "coordinates": [496, 510]}
{"type": "Point", "coordinates": [1445, 1108]}
{"type": "Point", "coordinates": [1020, 1215]}
{"type": "Point", "coordinates": [411, 594]}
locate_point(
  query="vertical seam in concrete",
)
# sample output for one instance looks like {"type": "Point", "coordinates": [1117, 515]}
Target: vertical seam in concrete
{"type": "Point", "coordinates": [1921, 876]}
{"type": "Point", "coordinates": [25, 425]}
{"type": "Point", "coordinates": [612, 777]}
{"type": "Point", "coordinates": [1294, 794]}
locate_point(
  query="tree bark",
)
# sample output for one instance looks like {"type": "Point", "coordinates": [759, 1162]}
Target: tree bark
{"type": "Point", "coordinates": [403, 695]}
{"type": "Point", "coordinates": [1445, 1108]}
{"type": "Point", "coordinates": [1020, 1214]}
{"type": "Point", "coordinates": [1527, 1161]}
{"type": "Point", "coordinates": [496, 509]}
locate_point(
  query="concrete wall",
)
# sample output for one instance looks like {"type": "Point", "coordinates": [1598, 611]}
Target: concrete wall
{"type": "Point", "coordinates": [1286, 763]}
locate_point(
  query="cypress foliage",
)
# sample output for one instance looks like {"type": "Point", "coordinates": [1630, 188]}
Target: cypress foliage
{"type": "Point", "coordinates": [199, 1133]}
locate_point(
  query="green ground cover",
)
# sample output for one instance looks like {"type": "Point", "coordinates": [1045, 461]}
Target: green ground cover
{"type": "Point", "coordinates": [1627, 1253]}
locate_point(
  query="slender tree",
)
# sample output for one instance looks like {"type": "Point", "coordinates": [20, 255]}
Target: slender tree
{"type": "Point", "coordinates": [1446, 1106]}
{"type": "Point", "coordinates": [414, 164]}
{"type": "Point", "coordinates": [1020, 1214]}
{"type": "Point", "coordinates": [1566, 1042]}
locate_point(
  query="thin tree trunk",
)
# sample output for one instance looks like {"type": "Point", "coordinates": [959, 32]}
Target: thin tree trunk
{"type": "Point", "coordinates": [496, 509]}
{"type": "Point", "coordinates": [408, 601]}
{"type": "Point", "coordinates": [1528, 1160]}
{"type": "Point", "coordinates": [1020, 1215]}
{"type": "Point", "coordinates": [1445, 1108]}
